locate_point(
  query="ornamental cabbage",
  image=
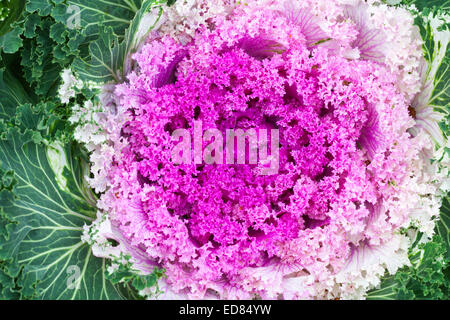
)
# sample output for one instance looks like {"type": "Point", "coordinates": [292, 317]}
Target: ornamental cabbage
{"type": "Point", "coordinates": [128, 137]}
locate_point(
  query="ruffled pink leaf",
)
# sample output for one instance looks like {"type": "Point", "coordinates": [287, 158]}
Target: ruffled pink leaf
{"type": "Point", "coordinates": [372, 138]}
{"type": "Point", "coordinates": [305, 20]}
{"type": "Point", "coordinates": [370, 41]}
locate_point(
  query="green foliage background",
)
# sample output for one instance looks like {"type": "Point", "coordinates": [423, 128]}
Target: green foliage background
{"type": "Point", "coordinates": [41, 220]}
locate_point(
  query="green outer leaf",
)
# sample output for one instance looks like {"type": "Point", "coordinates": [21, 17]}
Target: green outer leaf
{"type": "Point", "coordinates": [15, 10]}
{"type": "Point", "coordinates": [12, 93]}
{"type": "Point", "coordinates": [11, 42]}
{"type": "Point", "coordinates": [387, 291]}
{"type": "Point", "coordinates": [44, 7]}
{"type": "Point", "coordinates": [443, 225]}
{"type": "Point", "coordinates": [31, 22]}
{"type": "Point", "coordinates": [424, 280]}
{"type": "Point", "coordinates": [437, 53]}
{"type": "Point", "coordinates": [422, 4]}
{"type": "Point", "coordinates": [429, 275]}
{"type": "Point", "coordinates": [116, 14]}
{"type": "Point", "coordinates": [434, 29]}
{"type": "Point", "coordinates": [45, 236]}
{"type": "Point", "coordinates": [138, 31]}
{"type": "Point", "coordinates": [41, 68]}
{"type": "Point", "coordinates": [104, 60]}
{"type": "Point", "coordinates": [108, 56]}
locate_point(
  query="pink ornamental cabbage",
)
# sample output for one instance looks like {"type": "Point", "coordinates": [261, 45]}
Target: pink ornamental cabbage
{"type": "Point", "coordinates": [225, 230]}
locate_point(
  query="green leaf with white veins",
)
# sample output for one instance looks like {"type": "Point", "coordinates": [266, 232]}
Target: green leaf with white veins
{"type": "Point", "coordinates": [109, 58]}
{"type": "Point", "coordinates": [47, 208]}
{"type": "Point", "coordinates": [114, 13]}
{"type": "Point", "coordinates": [104, 60]}
{"type": "Point", "coordinates": [421, 4]}
{"type": "Point", "coordinates": [443, 225]}
{"type": "Point", "coordinates": [432, 104]}
{"type": "Point", "coordinates": [437, 54]}
{"type": "Point", "coordinates": [12, 93]}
